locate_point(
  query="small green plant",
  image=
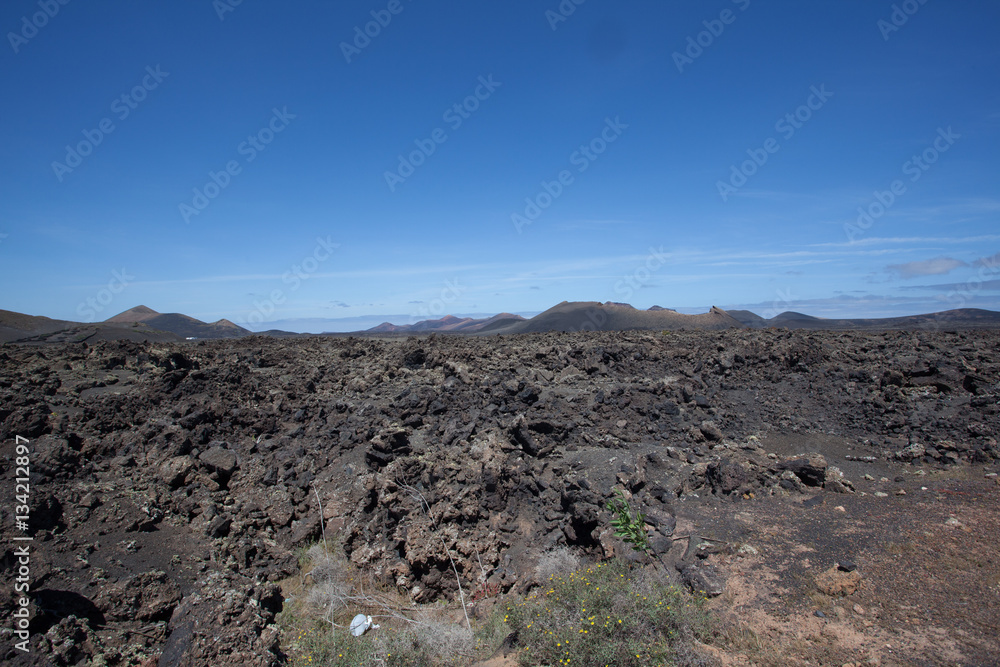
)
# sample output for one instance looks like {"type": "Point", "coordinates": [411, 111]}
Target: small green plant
{"type": "Point", "coordinates": [628, 526]}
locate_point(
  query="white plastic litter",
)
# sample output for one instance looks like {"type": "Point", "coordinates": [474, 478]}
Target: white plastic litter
{"type": "Point", "coordinates": [361, 623]}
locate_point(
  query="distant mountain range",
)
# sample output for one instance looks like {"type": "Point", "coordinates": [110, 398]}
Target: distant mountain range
{"type": "Point", "coordinates": [963, 318]}
{"type": "Point", "coordinates": [139, 323]}
{"type": "Point", "coordinates": [142, 323]}
{"type": "Point", "coordinates": [576, 316]}
{"type": "Point", "coordinates": [450, 323]}
{"type": "Point", "coordinates": [612, 316]}
{"type": "Point", "coordinates": [182, 325]}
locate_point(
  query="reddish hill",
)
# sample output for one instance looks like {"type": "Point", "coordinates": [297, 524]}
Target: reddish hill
{"type": "Point", "coordinates": [137, 314]}
{"type": "Point", "coordinates": [449, 323]}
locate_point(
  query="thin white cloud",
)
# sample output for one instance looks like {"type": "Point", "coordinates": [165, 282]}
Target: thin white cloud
{"type": "Point", "coordinates": [938, 266]}
{"type": "Point", "coordinates": [776, 195]}
{"type": "Point", "coordinates": [576, 225]}
{"type": "Point", "coordinates": [988, 285]}
{"type": "Point", "coordinates": [875, 240]}
{"type": "Point", "coordinates": [373, 273]}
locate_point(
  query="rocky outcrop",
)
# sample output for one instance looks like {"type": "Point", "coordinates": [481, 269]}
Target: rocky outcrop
{"type": "Point", "coordinates": [172, 483]}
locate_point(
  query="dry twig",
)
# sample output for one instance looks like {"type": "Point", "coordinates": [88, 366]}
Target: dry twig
{"type": "Point", "coordinates": [427, 508]}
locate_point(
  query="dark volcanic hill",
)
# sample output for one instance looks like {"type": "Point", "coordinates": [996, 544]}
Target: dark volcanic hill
{"type": "Point", "coordinates": [20, 328]}
{"type": "Point", "coordinates": [595, 316]}
{"type": "Point", "coordinates": [137, 324]}
{"type": "Point", "coordinates": [182, 325]}
{"type": "Point", "coordinates": [748, 318]}
{"type": "Point", "coordinates": [962, 318]}
{"type": "Point", "coordinates": [15, 326]}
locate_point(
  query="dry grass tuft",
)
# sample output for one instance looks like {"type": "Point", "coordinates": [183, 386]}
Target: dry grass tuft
{"type": "Point", "coordinates": [558, 561]}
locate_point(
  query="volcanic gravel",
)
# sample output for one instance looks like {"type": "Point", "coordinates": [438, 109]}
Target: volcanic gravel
{"type": "Point", "coordinates": [171, 483]}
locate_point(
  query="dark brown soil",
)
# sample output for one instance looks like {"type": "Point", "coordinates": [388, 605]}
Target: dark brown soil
{"type": "Point", "coordinates": [929, 589]}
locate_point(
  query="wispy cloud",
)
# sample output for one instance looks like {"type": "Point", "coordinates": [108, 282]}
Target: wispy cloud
{"type": "Point", "coordinates": [928, 267]}
{"type": "Point", "coordinates": [777, 195]}
{"type": "Point", "coordinates": [955, 211]}
{"type": "Point", "coordinates": [368, 273]}
{"type": "Point", "coordinates": [901, 240]}
{"type": "Point", "coordinates": [577, 225]}
{"type": "Point", "coordinates": [988, 285]}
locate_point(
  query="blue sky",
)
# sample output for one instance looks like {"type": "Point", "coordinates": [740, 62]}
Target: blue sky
{"type": "Point", "coordinates": [268, 161]}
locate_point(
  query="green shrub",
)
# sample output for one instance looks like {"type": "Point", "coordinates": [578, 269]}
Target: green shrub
{"type": "Point", "coordinates": [415, 646]}
{"type": "Point", "coordinates": [606, 614]}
